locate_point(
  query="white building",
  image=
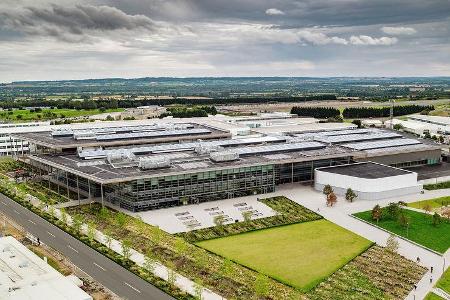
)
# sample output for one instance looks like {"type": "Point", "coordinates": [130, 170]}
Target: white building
{"type": "Point", "coordinates": [370, 181]}
{"type": "Point", "coordinates": [10, 145]}
{"type": "Point", "coordinates": [25, 276]}
{"type": "Point", "coordinates": [420, 125]}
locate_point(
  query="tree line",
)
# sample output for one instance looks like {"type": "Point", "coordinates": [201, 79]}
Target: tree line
{"type": "Point", "coordinates": [87, 103]}
{"type": "Point", "coordinates": [189, 112]}
{"type": "Point", "coordinates": [375, 112]}
{"type": "Point", "coordinates": [316, 112]}
{"type": "Point", "coordinates": [359, 112]}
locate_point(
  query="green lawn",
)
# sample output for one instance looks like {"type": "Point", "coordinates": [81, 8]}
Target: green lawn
{"type": "Point", "coordinates": [433, 296]}
{"type": "Point", "coordinates": [421, 229]}
{"type": "Point", "coordinates": [434, 203]}
{"type": "Point", "coordinates": [444, 282]}
{"type": "Point", "coordinates": [21, 115]}
{"type": "Point", "coordinates": [301, 255]}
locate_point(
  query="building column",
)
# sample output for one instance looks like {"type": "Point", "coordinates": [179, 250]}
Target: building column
{"type": "Point", "coordinates": [89, 189]}
{"type": "Point", "coordinates": [101, 192]}
{"type": "Point", "coordinates": [78, 191]}
{"type": "Point", "coordinates": [67, 185]}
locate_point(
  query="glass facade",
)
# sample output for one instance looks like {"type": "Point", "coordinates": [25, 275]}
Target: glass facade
{"type": "Point", "coordinates": [172, 190]}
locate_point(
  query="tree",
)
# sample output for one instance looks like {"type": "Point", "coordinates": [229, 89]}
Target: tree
{"type": "Point", "coordinates": [77, 222]}
{"type": "Point", "coordinates": [398, 126]}
{"type": "Point", "coordinates": [247, 215]}
{"type": "Point", "coordinates": [350, 195]}
{"type": "Point", "coordinates": [327, 189]}
{"type": "Point", "coordinates": [331, 199]}
{"type": "Point", "coordinates": [126, 248]}
{"type": "Point", "coordinates": [357, 123]}
{"type": "Point", "coordinates": [91, 231]}
{"type": "Point", "coordinates": [149, 261]}
{"type": "Point", "coordinates": [377, 213]}
{"type": "Point", "coordinates": [121, 219]}
{"type": "Point", "coordinates": [198, 289]}
{"type": "Point", "coordinates": [436, 219]}
{"type": "Point", "coordinates": [107, 238]}
{"type": "Point", "coordinates": [219, 221]}
{"type": "Point", "coordinates": [63, 215]}
{"type": "Point", "coordinates": [262, 285]}
{"type": "Point", "coordinates": [393, 210]}
{"type": "Point", "coordinates": [428, 208]}
{"type": "Point", "coordinates": [392, 244]}
{"type": "Point", "coordinates": [103, 213]}
{"type": "Point", "coordinates": [404, 221]}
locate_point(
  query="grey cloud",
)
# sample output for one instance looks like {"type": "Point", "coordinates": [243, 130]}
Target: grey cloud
{"type": "Point", "coordinates": [73, 23]}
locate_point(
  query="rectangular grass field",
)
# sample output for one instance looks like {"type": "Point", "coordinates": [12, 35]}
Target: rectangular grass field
{"type": "Point", "coordinates": [433, 203]}
{"type": "Point", "coordinates": [300, 255]}
{"type": "Point", "coordinates": [421, 229]}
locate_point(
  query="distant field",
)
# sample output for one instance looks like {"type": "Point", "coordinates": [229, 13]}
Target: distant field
{"type": "Point", "coordinates": [23, 115]}
{"type": "Point", "coordinates": [421, 229]}
{"type": "Point", "coordinates": [300, 255]}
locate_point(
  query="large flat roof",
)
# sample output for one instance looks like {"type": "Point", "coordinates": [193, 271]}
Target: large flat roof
{"type": "Point", "coordinates": [367, 170]}
{"type": "Point", "coordinates": [188, 161]}
{"type": "Point", "coordinates": [130, 137]}
{"type": "Point", "coordinates": [24, 275]}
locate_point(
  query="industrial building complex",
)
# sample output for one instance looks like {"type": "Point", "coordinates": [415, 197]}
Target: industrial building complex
{"type": "Point", "coordinates": [158, 163]}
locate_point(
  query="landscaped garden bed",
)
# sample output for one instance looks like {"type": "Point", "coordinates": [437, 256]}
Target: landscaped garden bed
{"type": "Point", "coordinates": [433, 204]}
{"type": "Point", "coordinates": [300, 255]}
{"type": "Point", "coordinates": [437, 186]}
{"type": "Point", "coordinates": [415, 226]}
{"type": "Point", "coordinates": [221, 275]}
{"type": "Point", "coordinates": [375, 274]}
{"type": "Point", "coordinates": [288, 212]}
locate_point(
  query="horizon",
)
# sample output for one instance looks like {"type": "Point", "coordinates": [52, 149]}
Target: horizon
{"type": "Point", "coordinates": [232, 77]}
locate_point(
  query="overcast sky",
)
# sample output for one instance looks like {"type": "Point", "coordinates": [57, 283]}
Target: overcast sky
{"type": "Point", "coordinates": [62, 39]}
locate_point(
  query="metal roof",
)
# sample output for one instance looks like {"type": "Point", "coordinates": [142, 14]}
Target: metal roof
{"type": "Point", "coordinates": [151, 134]}
{"type": "Point", "coordinates": [92, 154]}
{"type": "Point", "coordinates": [279, 148]}
{"type": "Point", "coordinates": [356, 137]}
{"type": "Point", "coordinates": [381, 144]}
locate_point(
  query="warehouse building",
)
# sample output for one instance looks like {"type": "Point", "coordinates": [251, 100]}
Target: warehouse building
{"type": "Point", "coordinates": [168, 163]}
{"type": "Point", "coordinates": [24, 275]}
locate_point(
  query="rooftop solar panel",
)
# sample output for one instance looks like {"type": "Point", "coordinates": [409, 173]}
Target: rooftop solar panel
{"type": "Point", "coordinates": [356, 137]}
{"type": "Point", "coordinates": [92, 154]}
{"type": "Point", "coordinates": [344, 132]}
{"type": "Point", "coordinates": [152, 134]}
{"type": "Point", "coordinates": [279, 148]}
{"type": "Point", "coordinates": [382, 144]}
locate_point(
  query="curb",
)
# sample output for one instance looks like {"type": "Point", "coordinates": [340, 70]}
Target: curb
{"type": "Point", "coordinates": [399, 236]}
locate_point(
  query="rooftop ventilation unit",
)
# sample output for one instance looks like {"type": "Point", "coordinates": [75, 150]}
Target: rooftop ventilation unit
{"type": "Point", "coordinates": [120, 157]}
{"type": "Point", "coordinates": [84, 135]}
{"type": "Point", "coordinates": [223, 156]}
{"type": "Point", "coordinates": [62, 132]}
{"type": "Point", "coordinates": [204, 149]}
{"type": "Point", "coordinates": [149, 163]}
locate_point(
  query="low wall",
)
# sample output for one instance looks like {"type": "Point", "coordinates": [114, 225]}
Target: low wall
{"type": "Point", "coordinates": [375, 195]}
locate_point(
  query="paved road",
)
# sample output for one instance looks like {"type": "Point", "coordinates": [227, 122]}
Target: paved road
{"type": "Point", "coordinates": [119, 280]}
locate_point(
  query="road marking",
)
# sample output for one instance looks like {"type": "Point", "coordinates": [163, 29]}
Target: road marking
{"type": "Point", "coordinates": [17, 212]}
{"type": "Point", "coordinates": [132, 287]}
{"type": "Point", "coordinates": [31, 222]}
{"type": "Point", "coordinates": [100, 266]}
{"type": "Point", "coordinates": [51, 234]}
{"type": "Point", "coordinates": [72, 248]}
